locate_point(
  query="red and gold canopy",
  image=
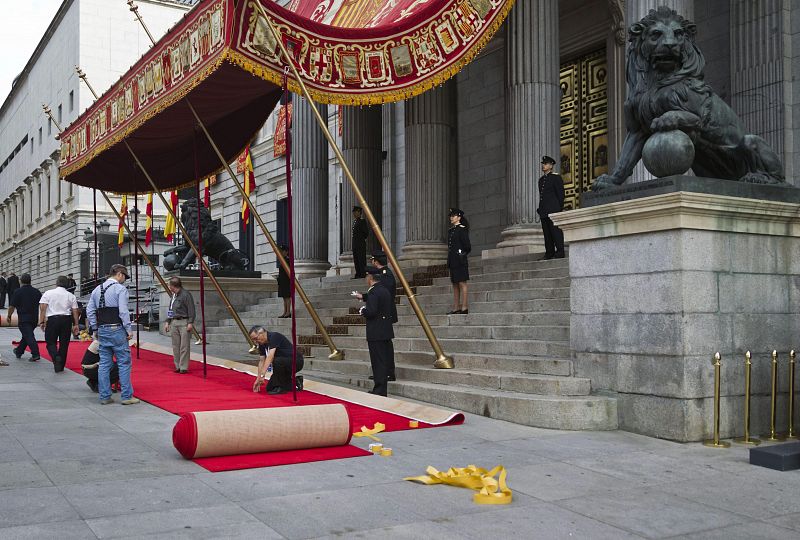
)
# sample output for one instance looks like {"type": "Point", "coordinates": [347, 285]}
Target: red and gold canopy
{"type": "Point", "coordinates": [353, 52]}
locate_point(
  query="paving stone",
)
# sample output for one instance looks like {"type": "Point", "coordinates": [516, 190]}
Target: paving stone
{"type": "Point", "coordinates": [789, 521]}
{"type": "Point", "coordinates": [543, 521]}
{"type": "Point", "coordinates": [236, 531]}
{"type": "Point", "coordinates": [63, 530]}
{"type": "Point", "coordinates": [147, 464]}
{"type": "Point", "coordinates": [553, 481]}
{"type": "Point", "coordinates": [643, 468]}
{"type": "Point", "coordinates": [409, 531]}
{"type": "Point", "coordinates": [28, 506]}
{"type": "Point", "coordinates": [120, 497]}
{"type": "Point", "coordinates": [22, 474]}
{"type": "Point", "coordinates": [750, 531]}
{"type": "Point", "coordinates": [165, 521]}
{"type": "Point", "coordinates": [651, 513]}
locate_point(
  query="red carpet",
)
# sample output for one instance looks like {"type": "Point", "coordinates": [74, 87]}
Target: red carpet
{"type": "Point", "coordinates": [155, 382]}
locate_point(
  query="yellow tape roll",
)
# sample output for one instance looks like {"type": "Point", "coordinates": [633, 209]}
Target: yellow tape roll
{"type": "Point", "coordinates": [386, 452]}
{"type": "Point", "coordinates": [490, 490]}
{"type": "Point", "coordinates": [413, 424]}
{"type": "Point", "coordinates": [375, 448]}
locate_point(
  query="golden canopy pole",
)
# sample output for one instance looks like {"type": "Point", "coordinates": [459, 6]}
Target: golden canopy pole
{"type": "Point", "coordinates": [186, 238]}
{"type": "Point", "coordinates": [139, 247]}
{"type": "Point", "coordinates": [442, 361]}
{"type": "Point", "coordinates": [336, 354]}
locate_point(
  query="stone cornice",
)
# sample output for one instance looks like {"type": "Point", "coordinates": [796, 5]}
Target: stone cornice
{"type": "Point", "coordinates": [681, 210]}
{"type": "Point", "coordinates": [46, 164]}
{"type": "Point", "coordinates": [28, 180]}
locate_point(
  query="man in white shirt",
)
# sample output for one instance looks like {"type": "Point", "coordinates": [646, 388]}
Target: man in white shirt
{"type": "Point", "coordinates": [58, 317]}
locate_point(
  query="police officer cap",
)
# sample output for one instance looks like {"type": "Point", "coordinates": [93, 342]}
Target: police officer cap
{"type": "Point", "coordinates": [379, 256]}
{"type": "Point", "coordinates": [357, 208]}
{"type": "Point", "coordinates": [456, 212]}
{"type": "Point", "coordinates": [374, 271]}
{"type": "Point", "coordinates": [548, 159]}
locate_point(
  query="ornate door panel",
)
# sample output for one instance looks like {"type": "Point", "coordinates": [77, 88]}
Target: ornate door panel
{"type": "Point", "coordinates": [584, 124]}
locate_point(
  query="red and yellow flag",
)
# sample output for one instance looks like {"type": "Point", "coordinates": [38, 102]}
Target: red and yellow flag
{"type": "Point", "coordinates": [148, 228]}
{"type": "Point", "coordinates": [245, 165]}
{"type": "Point", "coordinates": [169, 228]}
{"type": "Point", "coordinates": [123, 213]}
{"type": "Point", "coordinates": [207, 193]}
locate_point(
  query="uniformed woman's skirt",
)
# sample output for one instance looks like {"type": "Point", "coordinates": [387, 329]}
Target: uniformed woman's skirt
{"type": "Point", "coordinates": [459, 268]}
{"type": "Point", "coordinates": [284, 285]}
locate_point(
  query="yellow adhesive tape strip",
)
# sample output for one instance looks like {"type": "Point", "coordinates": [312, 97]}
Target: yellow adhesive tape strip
{"type": "Point", "coordinates": [490, 490]}
{"type": "Point", "coordinates": [413, 423]}
{"type": "Point", "coordinates": [375, 447]}
{"type": "Point", "coordinates": [386, 452]}
{"type": "Point", "coordinates": [366, 432]}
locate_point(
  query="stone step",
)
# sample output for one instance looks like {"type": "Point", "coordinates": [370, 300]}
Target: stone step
{"type": "Point", "coordinates": [510, 275]}
{"type": "Point", "coordinates": [549, 333]}
{"type": "Point", "coordinates": [495, 380]}
{"type": "Point", "coordinates": [493, 296]}
{"type": "Point", "coordinates": [591, 412]}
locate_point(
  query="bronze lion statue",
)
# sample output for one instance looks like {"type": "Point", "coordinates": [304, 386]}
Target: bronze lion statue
{"type": "Point", "coordinates": [666, 92]}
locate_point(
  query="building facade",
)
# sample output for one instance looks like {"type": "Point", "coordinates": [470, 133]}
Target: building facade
{"type": "Point", "coordinates": [552, 81]}
{"type": "Point", "coordinates": [43, 219]}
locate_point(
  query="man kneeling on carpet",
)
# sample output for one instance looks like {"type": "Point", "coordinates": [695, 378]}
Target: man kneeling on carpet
{"type": "Point", "coordinates": [90, 365]}
{"type": "Point", "coordinates": [276, 351]}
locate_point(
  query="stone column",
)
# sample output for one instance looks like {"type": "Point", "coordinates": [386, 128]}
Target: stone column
{"type": "Point", "coordinates": [532, 126]}
{"type": "Point", "coordinates": [635, 10]}
{"type": "Point", "coordinates": [361, 147]}
{"type": "Point", "coordinates": [431, 168]}
{"type": "Point", "coordinates": [309, 191]}
{"type": "Point", "coordinates": [757, 70]}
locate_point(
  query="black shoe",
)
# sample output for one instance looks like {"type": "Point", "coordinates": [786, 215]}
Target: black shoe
{"type": "Point", "coordinates": [392, 378]}
{"type": "Point", "coordinates": [18, 355]}
{"type": "Point", "coordinates": [462, 312]}
{"type": "Point", "coordinates": [299, 382]}
{"type": "Point", "coordinates": [177, 370]}
{"type": "Point", "coordinates": [559, 255]}
{"type": "Point", "coordinates": [33, 358]}
{"type": "Point", "coordinates": [183, 371]}
{"type": "Point", "coordinates": [371, 378]}
{"type": "Point", "coordinates": [547, 257]}
{"type": "Point", "coordinates": [276, 390]}
{"type": "Point", "coordinates": [92, 386]}
{"type": "Point", "coordinates": [454, 312]}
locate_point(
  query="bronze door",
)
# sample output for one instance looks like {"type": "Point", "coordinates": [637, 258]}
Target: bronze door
{"type": "Point", "coordinates": [584, 124]}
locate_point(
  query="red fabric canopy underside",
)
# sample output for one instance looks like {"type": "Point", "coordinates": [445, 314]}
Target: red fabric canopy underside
{"type": "Point", "coordinates": [231, 103]}
{"type": "Point", "coordinates": [155, 382]}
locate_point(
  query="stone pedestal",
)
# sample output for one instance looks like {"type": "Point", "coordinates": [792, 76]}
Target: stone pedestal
{"type": "Point", "coordinates": [242, 292]}
{"type": "Point", "coordinates": [661, 283]}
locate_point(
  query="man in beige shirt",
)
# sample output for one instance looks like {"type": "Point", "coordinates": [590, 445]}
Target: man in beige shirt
{"type": "Point", "coordinates": [180, 322]}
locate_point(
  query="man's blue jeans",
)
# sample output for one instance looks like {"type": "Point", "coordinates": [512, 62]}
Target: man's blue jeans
{"type": "Point", "coordinates": [114, 342]}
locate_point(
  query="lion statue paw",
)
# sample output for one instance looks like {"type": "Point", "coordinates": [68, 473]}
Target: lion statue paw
{"type": "Point", "coordinates": [605, 181]}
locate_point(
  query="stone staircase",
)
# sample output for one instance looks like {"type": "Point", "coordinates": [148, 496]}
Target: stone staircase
{"type": "Point", "coordinates": [511, 352]}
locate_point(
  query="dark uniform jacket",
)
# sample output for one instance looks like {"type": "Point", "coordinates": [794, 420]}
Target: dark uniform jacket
{"type": "Point", "coordinates": [3, 285]}
{"type": "Point", "coordinates": [378, 312]}
{"type": "Point", "coordinates": [551, 194]}
{"type": "Point", "coordinates": [360, 232]}
{"type": "Point", "coordinates": [12, 285]}
{"type": "Point", "coordinates": [387, 281]}
{"type": "Point", "coordinates": [26, 301]}
{"type": "Point", "coordinates": [458, 246]}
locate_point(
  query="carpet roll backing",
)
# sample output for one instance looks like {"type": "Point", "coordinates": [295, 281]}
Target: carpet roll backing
{"type": "Point", "coordinates": [249, 431]}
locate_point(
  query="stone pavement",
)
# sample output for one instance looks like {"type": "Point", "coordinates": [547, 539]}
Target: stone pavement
{"type": "Point", "coordinates": [70, 468]}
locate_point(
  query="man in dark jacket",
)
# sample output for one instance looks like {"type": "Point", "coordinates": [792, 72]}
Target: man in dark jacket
{"type": "Point", "coordinates": [360, 234]}
{"type": "Point", "coordinates": [3, 288]}
{"type": "Point", "coordinates": [25, 301]}
{"type": "Point", "coordinates": [378, 313]}
{"type": "Point", "coordinates": [551, 201]}
{"type": "Point", "coordinates": [12, 284]}
{"type": "Point", "coordinates": [388, 281]}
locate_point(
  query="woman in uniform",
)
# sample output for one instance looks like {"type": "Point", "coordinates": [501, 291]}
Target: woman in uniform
{"type": "Point", "coordinates": [458, 247]}
{"type": "Point", "coordinates": [284, 286]}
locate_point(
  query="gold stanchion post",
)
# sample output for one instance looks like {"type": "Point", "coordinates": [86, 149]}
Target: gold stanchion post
{"type": "Point", "coordinates": [747, 439]}
{"type": "Point", "coordinates": [773, 435]}
{"type": "Point", "coordinates": [715, 442]}
{"type": "Point", "coordinates": [791, 433]}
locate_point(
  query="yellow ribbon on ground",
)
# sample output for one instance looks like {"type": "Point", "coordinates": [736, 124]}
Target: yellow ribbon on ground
{"type": "Point", "coordinates": [490, 490]}
{"type": "Point", "coordinates": [366, 432]}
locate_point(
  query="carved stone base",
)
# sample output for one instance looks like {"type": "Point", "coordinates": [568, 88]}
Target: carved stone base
{"type": "Point", "coordinates": [517, 240]}
{"type": "Point", "coordinates": [311, 269]}
{"type": "Point", "coordinates": [423, 254]}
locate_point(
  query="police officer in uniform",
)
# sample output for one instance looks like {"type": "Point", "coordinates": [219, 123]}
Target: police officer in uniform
{"type": "Point", "coordinates": [360, 234]}
{"type": "Point", "coordinates": [386, 280]}
{"type": "Point", "coordinates": [551, 201]}
{"type": "Point", "coordinates": [458, 248]}
{"type": "Point", "coordinates": [378, 313]}
{"type": "Point", "coordinates": [107, 312]}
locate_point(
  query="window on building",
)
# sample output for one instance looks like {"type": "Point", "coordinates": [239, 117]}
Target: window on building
{"type": "Point", "coordinates": [40, 136]}
{"type": "Point", "coordinates": [30, 265]}
{"type": "Point", "coordinates": [58, 190]}
{"type": "Point", "coordinates": [39, 197]}
{"type": "Point", "coordinates": [47, 262]}
{"type": "Point", "coordinates": [49, 126]}
{"type": "Point", "coordinates": [60, 120]}
{"type": "Point", "coordinates": [38, 264]}
{"type": "Point", "coordinates": [71, 100]}
{"type": "Point", "coordinates": [58, 259]}
{"type": "Point", "coordinates": [69, 253]}
{"type": "Point", "coordinates": [49, 189]}
{"type": "Point", "coordinates": [31, 144]}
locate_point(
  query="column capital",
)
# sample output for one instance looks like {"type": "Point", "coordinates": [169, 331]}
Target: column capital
{"type": "Point", "coordinates": [29, 180]}
{"type": "Point", "coordinates": [56, 155]}
{"type": "Point", "coordinates": [46, 164]}
{"type": "Point", "coordinates": [20, 189]}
